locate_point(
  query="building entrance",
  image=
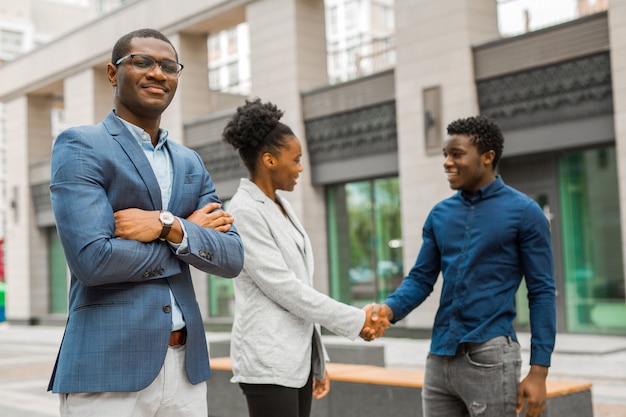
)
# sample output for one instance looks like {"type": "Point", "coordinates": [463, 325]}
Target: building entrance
{"type": "Point", "coordinates": [578, 191]}
{"type": "Point", "coordinates": [537, 178]}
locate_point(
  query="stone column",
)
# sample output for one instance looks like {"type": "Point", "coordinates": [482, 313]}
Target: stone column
{"type": "Point", "coordinates": [26, 248]}
{"type": "Point", "coordinates": [192, 98]}
{"type": "Point", "coordinates": [87, 97]}
{"type": "Point", "coordinates": [434, 41]}
{"type": "Point", "coordinates": [288, 56]}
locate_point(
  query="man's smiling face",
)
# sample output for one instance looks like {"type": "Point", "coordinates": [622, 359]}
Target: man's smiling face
{"type": "Point", "coordinates": [141, 94]}
{"type": "Point", "coordinates": [467, 169]}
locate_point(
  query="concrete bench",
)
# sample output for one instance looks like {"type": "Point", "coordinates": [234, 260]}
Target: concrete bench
{"type": "Point", "coordinates": [368, 390]}
{"type": "Point", "coordinates": [340, 353]}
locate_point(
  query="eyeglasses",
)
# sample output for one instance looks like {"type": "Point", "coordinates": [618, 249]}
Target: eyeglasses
{"type": "Point", "coordinates": [145, 63]}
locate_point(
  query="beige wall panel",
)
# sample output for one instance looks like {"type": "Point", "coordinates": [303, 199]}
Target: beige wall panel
{"type": "Point", "coordinates": [39, 136]}
{"type": "Point", "coordinates": [103, 93]}
{"type": "Point", "coordinates": [17, 243]}
{"type": "Point", "coordinates": [40, 148]}
{"type": "Point", "coordinates": [79, 98]}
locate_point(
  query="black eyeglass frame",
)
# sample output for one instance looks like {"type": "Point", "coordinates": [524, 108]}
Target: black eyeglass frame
{"type": "Point", "coordinates": [155, 62]}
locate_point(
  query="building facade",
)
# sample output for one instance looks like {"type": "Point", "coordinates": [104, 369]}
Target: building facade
{"type": "Point", "coordinates": [373, 164]}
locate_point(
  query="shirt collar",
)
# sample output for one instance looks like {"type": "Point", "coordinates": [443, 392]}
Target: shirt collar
{"type": "Point", "coordinates": [143, 138]}
{"type": "Point", "coordinates": [486, 191]}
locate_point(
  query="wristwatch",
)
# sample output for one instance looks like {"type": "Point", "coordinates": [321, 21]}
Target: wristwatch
{"type": "Point", "coordinates": [167, 220]}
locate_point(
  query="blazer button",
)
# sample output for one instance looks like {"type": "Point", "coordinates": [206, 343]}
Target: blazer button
{"type": "Point", "coordinates": [161, 271]}
{"type": "Point", "coordinates": [167, 308]}
{"type": "Point", "coordinates": [202, 253]}
{"type": "Point", "coordinates": [146, 275]}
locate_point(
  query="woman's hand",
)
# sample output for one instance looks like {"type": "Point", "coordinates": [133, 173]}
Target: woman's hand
{"type": "Point", "coordinates": [321, 387]}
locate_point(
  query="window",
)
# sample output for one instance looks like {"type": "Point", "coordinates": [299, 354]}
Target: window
{"type": "Point", "coordinates": [382, 18]}
{"type": "Point", "coordinates": [365, 240]}
{"type": "Point", "coordinates": [351, 16]}
{"type": "Point", "coordinates": [11, 43]}
{"type": "Point", "coordinates": [58, 274]}
{"type": "Point", "coordinates": [233, 74]}
{"type": "Point", "coordinates": [215, 79]}
{"type": "Point", "coordinates": [221, 297]}
{"type": "Point", "coordinates": [229, 60]}
{"type": "Point", "coordinates": [592, 249]}
{"type": "Point", "coordinates": [214, 47]}
{"type": "Point", "coordinates": [231, 35]}
{"type": "Point", "coordinates": [221, 292]}
{"type": "Point", "coordinates": [333, 25]}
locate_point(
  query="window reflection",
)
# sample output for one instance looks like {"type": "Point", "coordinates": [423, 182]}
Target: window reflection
{"type": "Point", "coordinates": [594, 278]}
{"type": "Point", "coordinates": [365, 240]}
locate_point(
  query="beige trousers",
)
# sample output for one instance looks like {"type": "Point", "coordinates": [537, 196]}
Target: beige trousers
{"type": "Point", "coordinates": [169, 395]}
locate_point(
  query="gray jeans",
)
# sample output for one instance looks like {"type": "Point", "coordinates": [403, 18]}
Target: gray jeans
{"type": "Point", "coordinates": [481, 380]}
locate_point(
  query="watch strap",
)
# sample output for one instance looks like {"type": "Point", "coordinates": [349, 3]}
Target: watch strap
{"type": "Point", "coordinates": [165, 231]}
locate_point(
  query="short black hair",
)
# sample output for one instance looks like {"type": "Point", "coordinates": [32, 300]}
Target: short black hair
{"type": "Point", "coordinates": [255, 129]}
{"type": "Point", "coordinates": [483, 132]}
{"type": "Point", "coordinates": [122, 46]}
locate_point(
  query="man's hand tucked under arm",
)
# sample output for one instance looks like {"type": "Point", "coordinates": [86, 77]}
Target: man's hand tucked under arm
{"type": "Point", "coordinates": [209, 216]}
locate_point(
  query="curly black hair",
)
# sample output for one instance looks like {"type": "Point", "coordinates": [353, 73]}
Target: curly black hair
{"type": "Point", "coordinates": [255, 129]}
{"type": "Point", "coordinates": [483, 132]}
{"type": "Point", "coordinates": [122, 46]}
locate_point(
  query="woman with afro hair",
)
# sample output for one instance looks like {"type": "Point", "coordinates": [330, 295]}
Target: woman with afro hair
{"type": "Point", "coordinates": [277, 354]}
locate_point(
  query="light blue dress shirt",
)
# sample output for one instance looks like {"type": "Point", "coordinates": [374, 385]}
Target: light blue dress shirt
{"type": "Point", "coordinates": [161, 164]}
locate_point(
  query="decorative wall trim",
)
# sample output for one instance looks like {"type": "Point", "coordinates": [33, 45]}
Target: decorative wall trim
{"type": "Point", "coordinates": [353, 134]}
{"type": "Point", "coordinates": [221, 160]}
{"type": "Point", "coordinates": [569, 90]}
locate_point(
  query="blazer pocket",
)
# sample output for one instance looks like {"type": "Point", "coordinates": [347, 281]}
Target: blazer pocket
{"type": "Point", "coordinates": [101, 305]}
{"type": "Point", "coordinates": [193, 178]}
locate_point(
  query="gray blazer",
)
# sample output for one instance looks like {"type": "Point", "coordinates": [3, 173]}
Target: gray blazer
{"type": "Point", "coordinates": [278, 312]}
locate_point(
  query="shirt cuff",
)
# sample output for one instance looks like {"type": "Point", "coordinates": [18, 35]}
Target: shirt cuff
{"type": "Point", "coordinates": [181, 248]}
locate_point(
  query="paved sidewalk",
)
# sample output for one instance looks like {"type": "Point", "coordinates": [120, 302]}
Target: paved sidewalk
{"type": "Point", "coordinates": [27, 355]}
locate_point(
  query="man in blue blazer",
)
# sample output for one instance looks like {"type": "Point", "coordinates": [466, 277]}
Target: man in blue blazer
{"type": "Point", "coordinates": [133, 210]}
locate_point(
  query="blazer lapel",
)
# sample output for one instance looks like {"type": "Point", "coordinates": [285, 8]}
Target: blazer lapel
{"type": "Point", "coordinates": [307, 250]}
{"type": "Point", "coordinates": [134, 152]}
{"type": "Point", "coordinates": [277, 217]}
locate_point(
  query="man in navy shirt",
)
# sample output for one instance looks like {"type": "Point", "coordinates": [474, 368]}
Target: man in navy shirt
{"type": "Point", "coordinates": [483, 240]}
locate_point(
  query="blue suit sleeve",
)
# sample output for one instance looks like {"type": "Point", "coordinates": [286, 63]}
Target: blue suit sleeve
{"type": "Point", "coordinates": [420, 281]}
{"type": "Point", "coordinates": [538, 268]}
{"type": "Point", "coordinates": [219, 253]}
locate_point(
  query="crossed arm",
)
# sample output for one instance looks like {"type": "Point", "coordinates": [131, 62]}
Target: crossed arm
{"type": "Point", "coordinates": [144, 225]}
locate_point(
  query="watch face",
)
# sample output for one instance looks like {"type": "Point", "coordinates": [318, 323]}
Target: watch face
{"type": "Point", "coordinates": [166, 217]}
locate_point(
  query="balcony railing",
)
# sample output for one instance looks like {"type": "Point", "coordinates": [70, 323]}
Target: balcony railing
{"type": "Point", "coordinates": [516, 17]}
{"type": "Point", "coordinates": [365, 58]}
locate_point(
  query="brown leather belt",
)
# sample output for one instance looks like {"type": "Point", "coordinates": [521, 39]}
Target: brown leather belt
{"type": "Point", "coordinates": [178, 337]}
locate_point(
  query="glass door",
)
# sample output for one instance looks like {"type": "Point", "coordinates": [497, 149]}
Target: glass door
{"type": "Point", "coordinates": [537, 178]}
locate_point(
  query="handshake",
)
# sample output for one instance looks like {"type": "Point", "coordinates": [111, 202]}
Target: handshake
{"type": "Point", "coordinates": [377, 317]}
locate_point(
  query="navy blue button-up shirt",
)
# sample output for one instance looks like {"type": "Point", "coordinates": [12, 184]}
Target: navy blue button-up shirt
{"type": "Point", "coordinates": [483, 247]}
